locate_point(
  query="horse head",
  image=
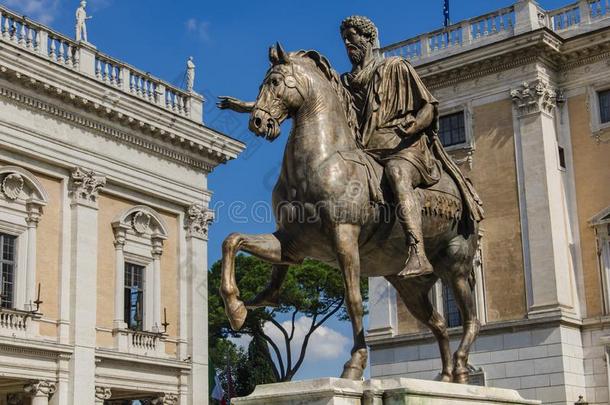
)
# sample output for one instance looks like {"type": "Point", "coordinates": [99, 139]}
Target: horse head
{"type": "Point", "coordinates": [280, 95]}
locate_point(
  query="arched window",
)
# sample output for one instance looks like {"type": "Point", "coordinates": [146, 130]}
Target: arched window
{"type": "Point", "coordinates": [22, 198]}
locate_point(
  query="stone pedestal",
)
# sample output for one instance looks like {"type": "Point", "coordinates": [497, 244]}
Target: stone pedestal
{"type": "Point", "coordinates": [400, 391]}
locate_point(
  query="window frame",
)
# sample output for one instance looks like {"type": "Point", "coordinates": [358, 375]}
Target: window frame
{"type": "Point", "coordinates": [601, 113]}
{"type": "Point", "coordinates": [598, 128]}
{"type": "Point", "coordinates": [466, 109]}
{"type": "Point", "coordinates": [12, 263]}
{"type": "Point", "coordinates": [142, 267]}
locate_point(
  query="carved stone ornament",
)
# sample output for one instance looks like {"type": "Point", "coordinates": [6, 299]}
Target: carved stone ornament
{"type": "Point", "coordinates": [198, 220]}
{"type": "Point", "coordinates": [85, 186]}
{"type": "Point", "coordinates": [12, 186]}
{"type": "Point", "coordinates": [534, 98]}
{"type": "Point", "coordinates": [165, 399]}
{"type": "Point", "coordinates": [102, 393]}
{"type": "Point", "coordinates": [141, 222]}
{"type": "Point", "coordinates": [40, 389]}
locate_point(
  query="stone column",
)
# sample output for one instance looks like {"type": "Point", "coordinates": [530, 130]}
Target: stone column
{"type": "Point", "coordinates": [544, 216]}
{"type": "Point", "coordinates": [102, 394]}
{"type": "Point", "coordinates": [119, 276]}
{"type": "Point", "coordinates": [40, 392]}
{"type": "Point", "coordinates": [157, 251]}
{"type": "Point", "coordinates": [84, 188]}
{"type": "Point", "coordinates": [197, 220]}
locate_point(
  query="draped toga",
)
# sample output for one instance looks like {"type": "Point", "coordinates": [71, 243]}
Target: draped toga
{"type": "Point", "coordinates": [387, 94]}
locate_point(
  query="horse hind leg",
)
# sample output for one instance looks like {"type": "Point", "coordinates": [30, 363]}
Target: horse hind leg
{"type": "Point", "coordinates": [459, 282]}
{"type": "Point", "coordinates": [414, 294]}
{"type": "Point", "coordinates": [267, 247]}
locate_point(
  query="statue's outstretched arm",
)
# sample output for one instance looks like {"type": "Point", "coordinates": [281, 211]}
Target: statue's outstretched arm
{"type": "Point", "coordinates": [232, 103]}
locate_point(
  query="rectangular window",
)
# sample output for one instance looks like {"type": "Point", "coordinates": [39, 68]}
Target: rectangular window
{"type": "Point", "coordinates": [8, 256]}
{"type": "Point", "coordinates": [604, 106]}
{"type": "Point", "coordinates": [452, 129]}
{"type": "Point", "coordinates": [134, 296]}
{"type": "Point", "coordinates": [452, 312]}
{"type": "Point", "coordinates": [562, 157]}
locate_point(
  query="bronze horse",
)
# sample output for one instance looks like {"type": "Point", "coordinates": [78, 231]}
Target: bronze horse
{"type": "Point", "coordinates": [324, 210]}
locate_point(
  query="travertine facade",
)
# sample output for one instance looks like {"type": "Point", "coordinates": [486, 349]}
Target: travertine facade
{"type": "Point", "coordinates": [103, 175]}
{"type": "Point", "coordinates": [532, 85]}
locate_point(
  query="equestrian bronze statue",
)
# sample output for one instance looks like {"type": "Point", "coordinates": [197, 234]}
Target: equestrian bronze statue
{"type": "Point", "coordinates": [365, 186]}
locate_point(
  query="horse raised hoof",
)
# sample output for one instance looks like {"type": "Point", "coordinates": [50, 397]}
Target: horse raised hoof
{"type": "Point", "coordinates": [237, 314]}
{"type": "Point", "coordinates": [269, 297]}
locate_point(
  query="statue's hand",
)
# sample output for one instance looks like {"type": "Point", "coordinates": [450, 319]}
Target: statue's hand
{"type": "Point", "coordinates": [231, 103]}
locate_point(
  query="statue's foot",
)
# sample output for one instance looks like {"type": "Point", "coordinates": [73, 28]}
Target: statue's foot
{"type": "Point", "coordinates": [417, 265]}
{"type": "Point", "coordinates": [269, 297]}
{"type": "Point", "coordinates": [236, 312]}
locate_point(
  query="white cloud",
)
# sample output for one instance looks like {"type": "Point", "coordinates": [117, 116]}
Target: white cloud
{"type": "Point", "coordinates": [43, 11]}
{"type": "Point", "coordinates": [199, 28]}
{"type": "Point", "coordinates": [325, 343]}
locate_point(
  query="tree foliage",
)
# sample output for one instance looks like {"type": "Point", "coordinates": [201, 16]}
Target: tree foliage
{"type": "Point", "coordinates": [311, 289]}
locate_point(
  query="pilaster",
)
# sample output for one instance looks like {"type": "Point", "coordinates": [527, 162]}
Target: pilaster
{"type": "Point", "coordinates": [84, 189]}
{"type": "Point", "coordinates": [382, 306]}
{"type": "Point", "coordinates": [545, 227]}
{"type": "Point", "coordinates": [196, 224]}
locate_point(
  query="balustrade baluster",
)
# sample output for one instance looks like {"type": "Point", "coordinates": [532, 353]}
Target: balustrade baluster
{"type": "Point", "coordinates": [22, 35]}
{"type": "Point", "coordinates": [76, 58]}
{"type": "Point", "coordinates": [14, 34]}
{"type": "Point", "coordinates": [98, 69]}
{"type": "Point", "coordinates": [61, 55]}
{"type": "Point", "coordinates": [175, 102]}
{"type": "Point", "coordinates": [29, 43]}
{"type": "Point", "coordinates": [139, 86]}
{"type": "Point", "coordinates": [113, 76]}
{"type": "Point", "coordinates": [69, 50]}
{"type": "Point", "coordinates": [53, 53]}
{"type": "Point", "coordinates": [132, 83]}
{"type": "Point", "coordinates": [37, 41]}
{"type": "Point", "coordinates": [106, 72]}
{"type": "Point", "coordinates": [5, 27]}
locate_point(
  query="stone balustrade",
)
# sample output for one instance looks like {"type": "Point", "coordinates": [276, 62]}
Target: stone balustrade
{"type": "Point", "coordinates": [145, 340]}
{"type": "Point", "coordinates": [496, 26]}
{"type": "Point", "coordinates": [14, 321]}
{"type": "Point", "coordinates": [142, 343]}
{"type": "Point", "coordinates": [46, 43]}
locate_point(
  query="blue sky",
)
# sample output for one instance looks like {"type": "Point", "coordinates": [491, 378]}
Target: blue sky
{"type": "Point", "coordinates": [229, 41]}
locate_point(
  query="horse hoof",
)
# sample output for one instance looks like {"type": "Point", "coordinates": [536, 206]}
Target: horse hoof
{"type": "Point", "coordinates": [352, 373]}
{"type": "Point", "coordinates": [460, 377]}
{"type": "Point", "coordinates": [237, 314]}
{"type": "Point", "coordinates": [446, 378]}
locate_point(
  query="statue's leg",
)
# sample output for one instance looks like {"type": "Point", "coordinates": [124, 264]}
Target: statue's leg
{"type": "Point", "coordinates": [267, 247]}
{"type": "Point", "coordinates": [414, 292]}
{"type": "Point", "coordinates": [404, 177]}
{"type": "Point", "coordinates": [464, 296]}
{"type": "Point", "coordinates": [348, 256]}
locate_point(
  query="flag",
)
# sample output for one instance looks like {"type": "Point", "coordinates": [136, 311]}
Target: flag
{"type": "Point", "coordinates": [446, 13]}
{"type": "Point", "coordinates": [218, 393]}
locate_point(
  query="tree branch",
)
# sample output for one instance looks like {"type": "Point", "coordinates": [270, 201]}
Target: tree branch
{"type": "Point", "coordinates": [277, 353]}
{"type": "Point", "coordinates": [286, 342]}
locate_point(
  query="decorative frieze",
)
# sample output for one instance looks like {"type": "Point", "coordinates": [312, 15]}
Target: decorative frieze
{"type": "Point", "coordinates": [40, 389]}
{"type": "Point", "coordinates": [536, 97]}
{"type": "Point", "coordinates": [198, 220]}
{"type": "Point", "coordinates": [165, 399]}
{"type": "Point", "coordinates": [85, 186]}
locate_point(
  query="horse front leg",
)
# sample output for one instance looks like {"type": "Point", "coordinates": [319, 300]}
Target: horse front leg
{"type": "Point", "coordinates": [267, 247]}
{"type": "Point", "coordinates": [348, 256]}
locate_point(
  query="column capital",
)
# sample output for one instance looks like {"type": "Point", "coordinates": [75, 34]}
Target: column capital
{"type": "Point", "coordinates": [157, 246]}
{"type": "Point", "coordinates": [197, 221]}
{"type": "Point", "coordinates": [85, 186]}
{"type": "Point", "coordinates": [40, 389]}
{"type": "Point", "coordinates": [102, 393]}
{"type": "Point", "coordinates": [34, 210]}
{"type": "Point", "coordinates": [534, 97]}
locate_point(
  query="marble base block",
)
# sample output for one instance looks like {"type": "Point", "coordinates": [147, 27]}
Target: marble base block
{"type": "Point", "coordinates": [399, 391]}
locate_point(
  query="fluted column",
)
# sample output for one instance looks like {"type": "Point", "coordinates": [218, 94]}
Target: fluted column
{"type": "Point", "coordinates": [102, 394]}
{"type": "Point", "coordinates": [84, 189]}
{"type": "Point", "coordinates": [197, 220]}
{"type": "Point", "coordinates": [40, 392]}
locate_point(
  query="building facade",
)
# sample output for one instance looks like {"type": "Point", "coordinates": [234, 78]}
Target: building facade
{"type": "Point", "coordinates": [103, 226]}
{"type": "Point", "coordinates": [525, 110]}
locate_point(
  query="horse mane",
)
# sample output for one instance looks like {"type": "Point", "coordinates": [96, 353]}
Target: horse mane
{"type": "Point", "coordinates": [333, 77]}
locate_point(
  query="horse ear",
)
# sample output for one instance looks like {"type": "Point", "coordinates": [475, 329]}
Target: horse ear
{"type": "Point", "coordinates": [273, 58]}
{"type": "Point", "coordinates": [283, 56]}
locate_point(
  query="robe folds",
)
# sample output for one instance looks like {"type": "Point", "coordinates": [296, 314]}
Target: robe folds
{"type": "Point", "coordinates": [387, 94]}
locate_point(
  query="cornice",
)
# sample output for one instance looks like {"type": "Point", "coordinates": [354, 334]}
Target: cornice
{"type": "Point", "coordinates": [83, 121]}
{"type": "Point", "coordinates": [541, 45]}
{"type": "Point", "coordinates": [200, 146]}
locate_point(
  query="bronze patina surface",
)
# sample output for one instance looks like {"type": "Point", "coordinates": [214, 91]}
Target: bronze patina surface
{"type": "Point", "coordinates": [365, 186]}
